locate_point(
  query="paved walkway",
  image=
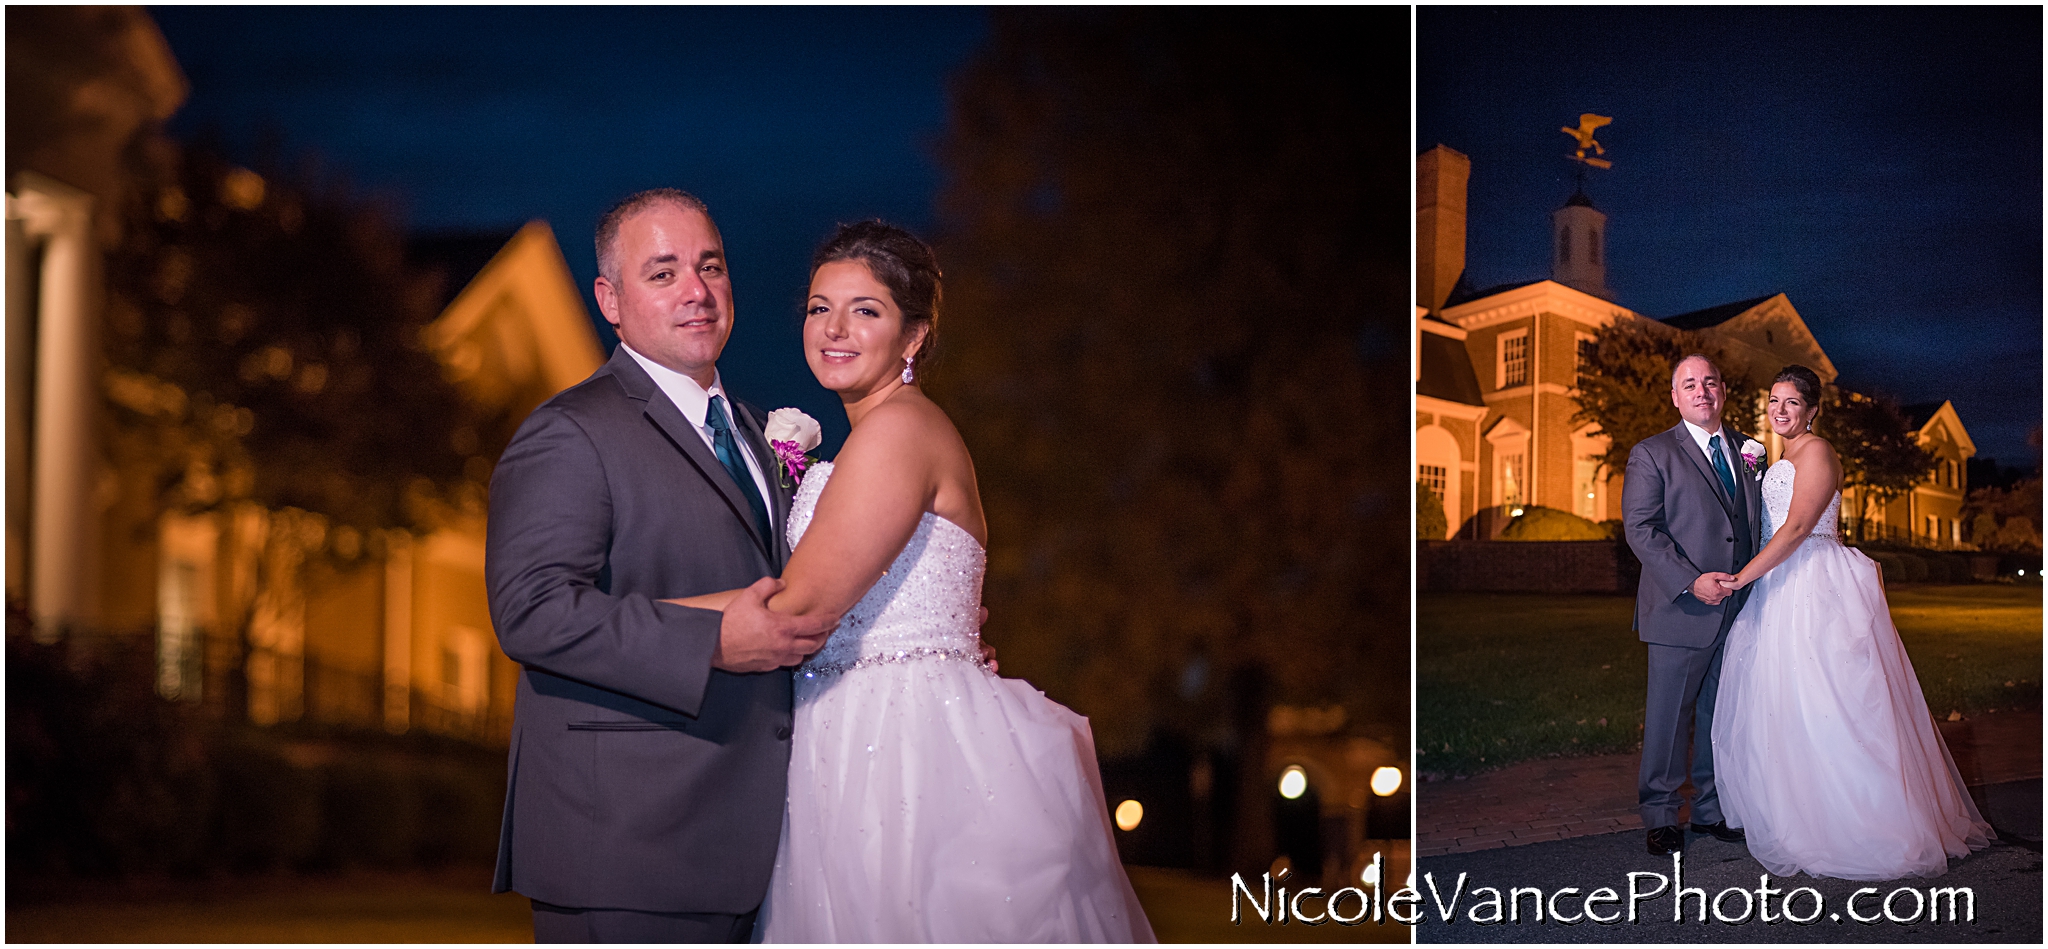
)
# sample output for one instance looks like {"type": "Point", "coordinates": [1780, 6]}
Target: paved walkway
{"type": "Point", "coordinates": [1561, 798]}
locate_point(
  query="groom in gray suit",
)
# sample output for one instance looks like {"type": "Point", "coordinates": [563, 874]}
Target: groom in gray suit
{"type": "Point", "coordinates": [1691, 510]}
{"type": "Point", "coordinates": [650, 741]}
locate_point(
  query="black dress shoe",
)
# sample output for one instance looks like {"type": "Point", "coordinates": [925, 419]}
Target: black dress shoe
{"type": "Point", "coordinates": [1666, 840]}
{"type": "Point", "coordinates": [1720, 831]}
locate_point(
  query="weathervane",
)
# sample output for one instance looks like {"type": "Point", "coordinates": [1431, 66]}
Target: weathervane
{"type": "Point", "coordinates": [1588, 124]}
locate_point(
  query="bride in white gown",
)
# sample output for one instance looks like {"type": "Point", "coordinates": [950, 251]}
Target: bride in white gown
{"type": "Point", "coordinates": [1824, 750]}
{"type": "Point", "coordinates": [929, 800]}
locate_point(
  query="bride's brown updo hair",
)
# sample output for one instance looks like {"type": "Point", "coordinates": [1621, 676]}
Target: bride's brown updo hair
{"type": "Point", "coordinates": [902, 263]}
{"type": "Point", "coordinates": [1805, 380]}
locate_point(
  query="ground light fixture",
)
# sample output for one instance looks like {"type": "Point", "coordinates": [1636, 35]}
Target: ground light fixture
{"type": "Point", "coordinates": [1386, 779]}
{"type": "Point", "coordinates": [1128, 814]}
{"type": "Point", "coordinates": [1293, 782]}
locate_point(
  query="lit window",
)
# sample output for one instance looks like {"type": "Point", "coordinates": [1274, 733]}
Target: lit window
{"type": "Point", "coordinates": [1436, 476]}
{"type": "Point", "coordinates": [1512, 477]}
{"type": "Point", "coordinates": [1514, 360]}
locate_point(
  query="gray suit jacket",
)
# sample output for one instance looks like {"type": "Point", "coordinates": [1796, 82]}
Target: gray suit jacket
{"type": "Point", "coordinates": [1681, 524]}
{"type": "Point", "coordinates": [641, 778]}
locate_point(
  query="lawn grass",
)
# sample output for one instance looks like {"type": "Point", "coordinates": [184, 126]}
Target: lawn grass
{"type": "Point", "coordinates": [1503, 677]}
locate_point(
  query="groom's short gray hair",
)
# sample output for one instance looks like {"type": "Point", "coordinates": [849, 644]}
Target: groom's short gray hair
{"type": "Point", "coordinates": [608, 225]}
{"type": "Point", "coordinates": [1688, 357]}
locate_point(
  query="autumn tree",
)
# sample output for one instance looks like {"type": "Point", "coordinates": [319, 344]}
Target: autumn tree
{"type": "Point", "coordinates": [1625, 389]}
{"type": "Point", "coordinates": [1176, 248]}
{"type": "Point", "coordinates": [265, 355]}
{"type": "Point", "coordinates": [1879, 450]}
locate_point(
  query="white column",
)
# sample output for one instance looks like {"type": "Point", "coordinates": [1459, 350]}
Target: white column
{"type": "Point", "coordinates": [63, 527]}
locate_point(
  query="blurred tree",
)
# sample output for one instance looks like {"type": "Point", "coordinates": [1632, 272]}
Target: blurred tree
{"type": "Point", "coordinates": [1430, 521]}
{"type": "Point", "coordinates": [1992, 512]}
{"type": "Point", "coordinates": [1176, 250]}
{"type": "Point", "coordinates": [1877, 445]}
{"type": "Point", "coordinates": [1626, 388]}
{"type": "Point", "coordinates": [265, 354]}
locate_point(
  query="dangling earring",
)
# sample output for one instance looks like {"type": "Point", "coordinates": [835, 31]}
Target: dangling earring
{"type": "Point", "coordinates": [907, 374]}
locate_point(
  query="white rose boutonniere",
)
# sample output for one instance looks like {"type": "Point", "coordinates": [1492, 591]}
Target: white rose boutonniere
{"type": "Point", "coordinates": [792, 434]}
{"type": "Point", "coordinates": [1753, 456]}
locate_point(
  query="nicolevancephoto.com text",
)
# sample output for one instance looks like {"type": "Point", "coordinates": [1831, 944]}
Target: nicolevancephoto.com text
{"type": "Point", "coordinates": [1642, 897]}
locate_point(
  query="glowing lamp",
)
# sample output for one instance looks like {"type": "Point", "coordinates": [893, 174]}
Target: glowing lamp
{"type": "Point", "coordinates": [1293, 782]}
{"type": "Point", "coordinates": [1386, 779]}
{"type": "Point", "coordinates": [1370, 876]}
{"type": "Point", "coordinates": [1128, 814]}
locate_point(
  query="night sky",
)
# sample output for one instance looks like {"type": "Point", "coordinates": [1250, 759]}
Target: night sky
{"type": "Point", "coordinates": [1880, 166]}
{"type": "Point", "coordinates": [785, 121]}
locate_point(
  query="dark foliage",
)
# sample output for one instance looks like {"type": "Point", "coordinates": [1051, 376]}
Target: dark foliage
{"type": "Point", "coordinates": [1876, 443]}
{"type": "Point", "coordinates": [1626, 390]}
{"type": "Point", "coordinates": [265, 345]}
{"type": "Point", "coordinates": [1176, 258]}
{"type": "Point", "coordinates": [106, 779]}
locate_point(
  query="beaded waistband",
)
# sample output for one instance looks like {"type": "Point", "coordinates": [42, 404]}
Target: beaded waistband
{"type": "Point", "coordinates": [828, 669]}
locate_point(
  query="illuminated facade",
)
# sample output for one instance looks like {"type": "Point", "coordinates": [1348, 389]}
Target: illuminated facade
{"type": "Point", "coordinates": [1497, 370]}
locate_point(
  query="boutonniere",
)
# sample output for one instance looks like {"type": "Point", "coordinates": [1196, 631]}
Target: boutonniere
{"type": "Point", "coordinates": [792, 434]}
{"type": "Point", "coordinates": [1753, 456]}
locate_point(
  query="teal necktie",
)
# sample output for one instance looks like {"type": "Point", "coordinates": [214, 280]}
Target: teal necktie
{"type": "Point", "coordinates": [728, 451]}
{"type": "Point", "coordinates": [1721, 467]}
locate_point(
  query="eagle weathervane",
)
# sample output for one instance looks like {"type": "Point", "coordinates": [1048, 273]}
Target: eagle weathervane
{"type": "Point", "coordinates": [1588, 124]}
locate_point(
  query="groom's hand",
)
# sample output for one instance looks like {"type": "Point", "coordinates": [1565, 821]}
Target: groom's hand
{"type": "Point", "coordinates": [754, 638]}
{"type": "Point", "coordinates": [1708, 589]}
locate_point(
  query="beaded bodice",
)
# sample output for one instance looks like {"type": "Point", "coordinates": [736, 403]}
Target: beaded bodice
{"type": "Point", "coordinates": [1777, 492]}
{"type": "Point", "coordinates": [925, 606]}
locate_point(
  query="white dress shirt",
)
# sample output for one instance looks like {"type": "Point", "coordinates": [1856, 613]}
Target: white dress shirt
{"type": "Point", "coordinates": [694, 401]}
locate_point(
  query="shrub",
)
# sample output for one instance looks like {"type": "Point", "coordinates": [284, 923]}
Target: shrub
{"type": "Point", "coordinates": [1543, 523]}
{"type": "Point", "coordinates": [1894, 570]}
{"type": "Point", "coordinates": [1430, 521]}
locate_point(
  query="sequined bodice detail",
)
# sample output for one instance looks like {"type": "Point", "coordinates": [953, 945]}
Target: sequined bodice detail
{"type": "Point", "coordinates": [926, 605]}
{"type": "Point", "coordinates": [1777, 491]}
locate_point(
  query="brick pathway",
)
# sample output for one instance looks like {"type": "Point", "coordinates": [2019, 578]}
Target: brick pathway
{"type": "Point", "coordinates": [1556, 798]}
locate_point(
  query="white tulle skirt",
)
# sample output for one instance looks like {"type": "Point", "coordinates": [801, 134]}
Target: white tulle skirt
{"type": "Point", "coordinates": [1824, 750]}
{"type": "Point", "coordinates": [930, 801]}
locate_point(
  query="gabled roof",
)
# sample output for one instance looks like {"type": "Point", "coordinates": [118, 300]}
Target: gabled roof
{"type": "Point", "coordinates": [1463, 292]}
{"type": "Point", "coordinates": [1920, 413]}
{"type": "Point", "coordinates": [1714, 315]}
{"type": "Point", "coordinates": [455, 257]}
{"type": "Point", "coordinates": [1447, 371]}
{"type": "Point", "coordinates": [1925, 417]}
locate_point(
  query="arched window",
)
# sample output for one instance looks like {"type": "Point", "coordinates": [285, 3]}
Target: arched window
{"type": "Point", "coordinates": [1564, 246]}
{"type": "Point", "coordinates": [1593, 246]}
{"type": "Point", "coordinates": [1440, 463]}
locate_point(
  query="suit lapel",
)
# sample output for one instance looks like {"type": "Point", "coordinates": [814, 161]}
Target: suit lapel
{"type": "Point", "coordinates": [1682, 438]}
{"type": "Point", "coordinates": [662, 411]}
{"type": "Point", "coordinates": [771, 471]}
{"type": "Point", "coordinates": [1752, 491]}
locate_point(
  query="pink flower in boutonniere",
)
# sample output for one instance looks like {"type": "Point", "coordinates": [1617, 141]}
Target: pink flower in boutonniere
{"type": "Point", "coordinates": [792, 434]}
{"type": "Point", "coordinates": [1753, 457]}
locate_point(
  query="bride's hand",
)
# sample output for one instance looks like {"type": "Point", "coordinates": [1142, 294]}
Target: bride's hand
{"type": "Point", "coordinates": [988, 652]}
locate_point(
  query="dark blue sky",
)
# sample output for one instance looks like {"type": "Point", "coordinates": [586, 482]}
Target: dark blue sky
{"type": "Point", "coordinates": [1881, 166]}
{"type": "Point", "coordinates": [786, 121]}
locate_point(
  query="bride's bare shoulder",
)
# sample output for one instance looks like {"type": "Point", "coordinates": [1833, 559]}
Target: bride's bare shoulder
{"type": "Point", "coordinates": [904, 428]}
{"type": "Point", "coordinates": [1815, 454]}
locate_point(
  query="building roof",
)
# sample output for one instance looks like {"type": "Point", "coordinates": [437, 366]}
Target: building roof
{"type": "Point", "coordinates": [1463, 292]}
{"type": "Point", "coordinates": [455, 257]}
{"type": "Point", "coordinates": [1920, 413]}
{"type": "Point", "coordinates": [1579, 200]}
{"type": "Point", "coordinates": [1447, 371]}
{"type": "Point", "coordinates": [1714, 315]}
